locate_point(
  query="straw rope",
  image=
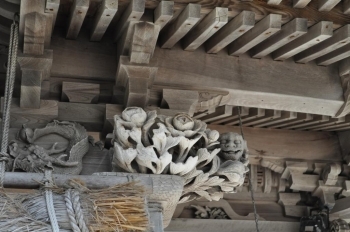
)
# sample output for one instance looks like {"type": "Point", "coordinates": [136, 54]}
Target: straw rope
{"type": "Point", "coordinates": [73, 200]}
{"type": "Point", "coordinates": [49, 201]}
{"type": "Point", "coordinates": [70, 210]}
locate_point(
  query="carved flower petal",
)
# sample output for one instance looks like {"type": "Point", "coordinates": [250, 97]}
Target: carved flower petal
{"type": "Point", "coordinates": [164, 160]}
{"type": "Point", "coordinates": [123, 158]}
{"type": "Point", "coordinates": [189, 165]}
{"type": "Point", "coordinates": [135, 134]}
{"type": "Point", "coordinates": [146, 156]}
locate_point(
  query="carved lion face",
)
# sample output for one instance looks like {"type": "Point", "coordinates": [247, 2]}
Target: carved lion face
{"type": "Point", "coordinates": [232, 146]}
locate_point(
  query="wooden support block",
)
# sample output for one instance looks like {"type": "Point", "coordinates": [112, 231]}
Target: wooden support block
{"type": "Point", "coordinates": [143, 42]}
{"type": "Point", "coordinates": [254, 114]}
{"type": "Point", "coordinates": [33, 118]}
{"type": "Point", "coordinates": [103, 18]}
{"type": "Point", "coordinates": [34, 34]}
{"type": "Point", "coordinates": [133, 12]}
{"type": "Point", "coordinates": [327, 5]}
{"type": "Point", "coordinates": [181, 26]}
{"type": "Point", "coordinates": [181, 100]}
{"type": "Point", "coordinates": [254, 176]}
{"type": "Point", "coordinates": [290, 31]}
{"type": "Point", "coordinates": [345, 191]}
{"type": "Point", "coordinates": [346, 6]}
{"type": "Point", "coordinates": [136, 93]}
{"type": "Point", "coordinates": [215, 20]}
{"type": "Point", "coordinates": [220, 112]}
{"type": "Point", "coordinates": [344, 67]}
{"type": "Point", "coordinates": [91, 116]}
{"type": "Point", "coordinates": [332, 57]}
{"type": "Point", "coordinates": [300, 3]}
{"type": "Point", "coordinates": [294, 167]}
{"type": "Point", "coordinates": [276, 165]}
{"type": "Point", "coordinates": [232, 116]}
{"type": "Point", "coordinates": [52, 8]}
{"type": "Point", "coordinates": [264, 29]}
{"type": "Point", "coordinates": [80, 92]}
{"type": "Point", "coordinates": [45, 90]}
{"type": "Point", "coordinates": [340, 38]}
{"type": "Point", "coordinates": [269, 115]}
{"type": "Point", "coordinates": [326, 193]}
{"type": "Point", "coordinates": [111, 111]}
{"type": "Point", "coordinates": [163, 13]}
{"type": "Point", "coordinates": [267, 185]}
{"type": "Point", "coordinates": [231, 31]}
{"type": "Point", "coordinates": [274, 2]}
{"type": "Point", "coordinates": [318, 33]}
{"type": "Point", "coordinates": [303, 182]}
{"type": "Point", "coordinates": [76, 18]}
{"type": "Point", "coordinates": [285, 117]}
{"type": "Point", "coordinates": [289, 198]}
{"type": "Point", "coordinates": [301, 117]}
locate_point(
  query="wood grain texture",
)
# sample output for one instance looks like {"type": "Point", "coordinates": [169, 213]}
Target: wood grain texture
{"type": "Point", "coordinates": [293, 87]}
{"type": "Point", "coordinates": [76, 18]}
{"type": "Point", "coordinates": [163, 13]}
{"type": "Point", "coordinates": [220, 112]}
{"type": "Point", "coordinates": [346, 7]}
{"type": "Point", "coordinates": [316, 119]}
{"type": "Point", "coordinates": [327, 5]}
{"type": "Point", "coordinates": [180, 26]}
{"type": "Point", "coordinates": [334, 56]}
{"type": "Point", "coordinates": [52, 7]}
{"type": "Point", "coordinates": [313, 144]}
{"type": "Point", "coordinates": [261, 31]}
{"type": "Point", "coordinates": [319, 32]}
{"type": "Point", "coordinates": [230, 32]}
{"type": "Point", "coordinates": [103, 18]}
{"type": "Point", "coordinates": [205, 29]}
{"type": "Point", "coordinates": [300, 3]}
{"type": "Point", "coordinates": [181, 100]}
{"type": "Point", "coordinates": [34, 33]}
{"type": "Point", "coordinates": [274, 2]}
{"type": "Point", "coordinates": [80, 92]}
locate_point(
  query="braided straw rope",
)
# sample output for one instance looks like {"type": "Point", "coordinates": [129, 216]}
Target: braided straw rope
{"type": "Point", "coordinates": [75, 213]}
{"type": "Point", "coordinates": [49, 201]}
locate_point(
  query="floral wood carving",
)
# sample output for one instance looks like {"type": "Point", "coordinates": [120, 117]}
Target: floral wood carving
{"type": "Point", "coordinates": [32, 158]}
{"type": "Point", "coordinates": [205, 212]}
{"type": "Point", "coordinates": [179, 145]}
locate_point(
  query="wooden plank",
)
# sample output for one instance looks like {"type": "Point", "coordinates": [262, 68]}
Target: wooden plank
{"type": "Point", "coordinates": [316, 145]}
{"type": "Point", "coordinates": [262, 30]}
{"type": "Point", "coordinates": [163, 13]}
{"type": "Point", "coordinates": [303, 88]}
{"type": "Point", "coordinates": [33, 118]}
{"type": "Point", "coordinates": [289, 32]}
{"type": "Point", "coordinates": [346, 6]}
{"type": "Point", "coordinates": [234, 115]}
{"type": "Point", "coordinates": [205, 29]}
{"type": "Point", "coordinates": [220, 112]}
{"type": "Point", "coordinates": [332, 57]}
{"type": "Point", "coordinates": [133, 12]}
{"type": "Point", "coordinates": [301, 117]}
{"type": "Point", "coordinates": [340, 38]}
{"type": "Point", "coordinates": [274, 2]}
{"type": "Point", "coordinates": [180, 26]}
{"type": "Point", "coordinates": [316, 119]}
{"type": "Point", "coordinates": [91, 116]}
{"type": "Point", "coordinates": [269, 115]}
{"type": "Point", "coordinates": [254, 114]}
{"type": "Point", "coordinates": [230, 32]}
{"type": "Point", "coordinates": [318, 33]}
{"type": "Point", "coordinates": [80, 92]}
{"type": "Point", "coordinates": [103, 18]}
{"type": "Point", "coordinates": [76, 18]}
{"type": "Point", "coordinates": [327, 5]}
{"type": "Point", "coordinates": [285, 117]}
{"type": "Point", "coordinates": [300, 3]}
{"type": "Point", "coordinates": [331, 121]}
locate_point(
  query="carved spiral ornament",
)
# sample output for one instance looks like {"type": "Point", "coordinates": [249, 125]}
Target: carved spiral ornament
{"type": "Point", "coordinates": [339, 225]}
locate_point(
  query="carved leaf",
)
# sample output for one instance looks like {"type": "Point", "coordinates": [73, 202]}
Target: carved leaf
{"type": "Point", "coordinates": [215, 165]}
{"type": "Point", "coordinates": [135, 134]}
{"type": "Point", "coordinates": [204, 194]}
{"type": "Point", "coordinates": [183, 168]}
{"type": "Point", "coordinates": [164, 160]}
{"type": "Point", "coordinates": [205, 157]}
{"type": "Point", "coordinates": [146, 156]}
{"type": "Point", "coordinates": [163, 143]}
{"type": "Point", "coordinates": [192, 174]}
{"type": "Point", "coordinates": [151, 116]}
{"type": "Point", "coordinates": [123, 158]}
{"type": "Point", "coordinates": [213, 181]}
{"type": "Point", "coordinates": [185, 146]}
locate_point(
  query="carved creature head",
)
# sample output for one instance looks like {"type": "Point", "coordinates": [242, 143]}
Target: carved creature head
{"type": "Point", "coordinates": [233, 146]}
{"type": "Point", "coordinates": [26, 134]}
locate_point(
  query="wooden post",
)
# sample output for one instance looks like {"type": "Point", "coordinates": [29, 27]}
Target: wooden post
{"type": "Point", "coordinates": [76, 18]}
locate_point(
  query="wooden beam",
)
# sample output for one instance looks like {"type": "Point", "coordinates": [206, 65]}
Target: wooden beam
{"type": "Point", "coordinates": [52, 8]}
{"type": "Point", "coordinates": [263, 30]}
{"type": "Point", "coordinates": [269, 115]}
{"type": "Point", "coordinates": [330, 122]}
{"type": "Point", "coordinates": [133, 12]}
{"type": "Point", "coordinates": [285, 117]}
{"type": "Point", "coordinates": [180, 26]}
{"type": "Point", "coordinates": [163, 13]}
{"type": "Point", "coordinates": [327, 5]}
{"type": "Point", "coordinates": [76, 18]}
{"type": "Point", "coordinates": [289, 32]}
{"type": "Point", "coordinates": [332, 57]}
{"type": "Point", "coordinates": [316, 119]}
{"type": "Point", "coordinates": [300, 117]}
{"type": "Point", "coordinates": [220, 112]}
{"type": "Point", "coordinates": [34, 34]}
{"type": "Point", "coordinates": [234, 115]}
{"type": "Point", "coordinates": [181, 100]}
{"type": "Point", "coordinates": [346, 6]}
{"type": "Point", "coordinates": [205, 29]}
{"type": "Point", "coordinates": [344, 67]}
{"type": "Point", "coordinates": [103, 18]}
{"type": "Point", "coordinates": [80, 92]}
{"type": "Point", "coordinates": [274, 2]}
{"type": "Point", "coordinates": [340, 38]}
{"type": "Point", "coordinates": [230, 32]}
{"type": "Point", "coordinates": [254, 114]}
{"type": "Point", "coordinates": [319, 32]}
{"type": "Point", "coordinates": [300, 3]}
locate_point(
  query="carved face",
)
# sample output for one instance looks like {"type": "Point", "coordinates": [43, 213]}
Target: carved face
{"type": "Point", "coordinates": [232, 146]}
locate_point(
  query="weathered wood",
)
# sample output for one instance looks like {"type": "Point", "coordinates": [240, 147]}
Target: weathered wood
{"type": "Point", "coordinates": [274, 2]}
{"type": "Point", "coordinates": [316, 119]}
{"type": "Point", "coordinates": [285, 117]}
{"type": "Point", "coordinates": [306, 84]}
{"type": "Point", "coordinates": [80, 92]}
{"type": "Point", "coordinates": [76, 18]}
{"type": "Point", "coordinates": [300, 117]}
{"type": "Point", "coordinates": [340, 38]}
{"type": "Point", "coordinates": [332, 57]}
{"type": "Point", "coordinates": [111, 111]}
{"type": "Point", "coordinates": [175, 31]}
{"type": "Point", "coordinates": [319, 32]}
{"type": "Point", "coordinates": [344, 121]}
{"type": "Point", "coordinates": [269, 115]}
{"type": "Point", "coordinates": [181, 100]}
{"type": "Point", "coordinates": [205, 29]}
{"type": "Point", "coordinates": [346, 6]}
{"type": "Point", "coordinates": [163, 13]}
{"type": "Point", "coordinates": [34, 33]}
{"type": "Point", "coordinates": [254, 114]}
{"type": "Point", "coordinates": [230, 32]}
{"type": "Point", "coordinates": [33, 118]}
{"type": "Point", "coordinates": [344, 67]}
{"type": "Point", "coordinates": [143, 42]}
{"type": "Point", "coordinates": [289, 32]}
{"type": "Point", "coordinates": [133, 12]}
{"type": "Point", "coordinates": [261, 31]}
{"type": "Point", "coordinates": [137, 92]}
{"type": "Point", "coordinates": [91, 116]}
{"type": "Point", "coordinates": [103, 18]}
{"type": "Point", "coordinates": [327, 5]}
{"type": "Point", "coordinates": [300, 3]}
{"type": "Point", "coordinates": [220, 112]}
{"type": "Point", "coordinates": [52, 8]}
{"type": "Point", "coordinates": [233, 115]}
{"type": "Point", "coordinates": [330, 122]}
